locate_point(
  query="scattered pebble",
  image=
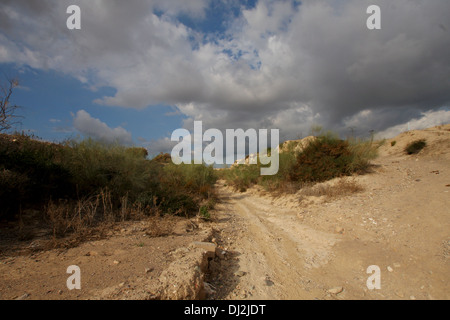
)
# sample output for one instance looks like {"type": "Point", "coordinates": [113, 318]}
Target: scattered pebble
{"type": "Point", "coordinates": [336, 290]}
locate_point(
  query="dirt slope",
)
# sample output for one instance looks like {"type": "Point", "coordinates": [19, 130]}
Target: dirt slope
{"type": "Point", "coordinates": [287, 249]}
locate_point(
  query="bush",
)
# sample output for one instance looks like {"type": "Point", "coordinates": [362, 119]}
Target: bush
{"type": "Point", "coordinates": [34, 173]}
{"type": "Point", "coordinates": [204, 213]}
{"type": "Point", "coordinates": [94, 166]}
{"type": "Point", "coordinates": [182, 187]}
{"type": "Point", "coordinates": [323, 159]}
{"type": "Point", "coordinates": [415, 146]}
{"type": "Point", "coordinates": [30, 171]}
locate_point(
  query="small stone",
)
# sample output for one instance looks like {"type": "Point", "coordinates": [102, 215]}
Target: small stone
{"type": "Point", "coordinates": [220, 253]}
{"type": "Point", "coordinates": [23, 297]}
{"type": "Point", "coordinates": [269, 282]}
{"type": "Point", "coordinates": [397, 265]}
{"type": "Point", "coordinates": [412, 297]}
{"type": "Point", "coordinates": [208, 289]}
{"type": "Point", "coordinates": [207, 246]}
{"type": "Point", "coordinates": [336, 290]}
{"type": "Point", "coordinates": [116, 262]}
{"type": "Point", "coordinates": [339, 230]}
{"type": "Point", "coordinates": [240, 273]}
{"type": "Point", "coordinates": [148, 270]}
{"type": "Point", "coordinates": [390, 269]}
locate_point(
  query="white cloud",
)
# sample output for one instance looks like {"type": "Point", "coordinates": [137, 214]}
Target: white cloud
{"type": "Point", "coordinates": [99, 130]}
{"type": "Point", "coordinates": [428, 119]}
{"type": "Point", "coordinates": [272, 61]}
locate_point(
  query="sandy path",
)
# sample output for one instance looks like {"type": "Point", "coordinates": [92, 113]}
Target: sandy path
{"type": "Point", "coordinates": [283, 249]}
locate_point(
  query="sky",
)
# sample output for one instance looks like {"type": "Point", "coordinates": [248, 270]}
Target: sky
{"type": "Point", "coordinates": [139, 69]}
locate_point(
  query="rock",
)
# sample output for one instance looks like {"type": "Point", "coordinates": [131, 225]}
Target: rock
{"type": "Point", "coordinates": [208, 289]}
{"type": "Point", "coordinates": [269, 282]}
{"type": "Point", "coordinates": [240, 273]}
{"type": "Point", "coordinates": [148, 270]}
{"type": "Point", "coordinates": [116, 262]}
{"type": "Point", "coordinates": [220, 253]}
{"type": "Point", "coordinates": [23, 297]}
{"type": "Point", "coordinates": [207, 246]}
{"type": "Point", "coordinates": [336, 290]}
{"type": "Point", "coordinates": [389, 268]}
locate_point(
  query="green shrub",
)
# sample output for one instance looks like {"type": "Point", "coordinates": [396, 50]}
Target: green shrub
{"type": "Point", "coordinates": [183, 187]}
{"type": "Point", "coordinates": [323, 159]}
{"type": "Point", "coordinates": [393, 143]}
{"type": "Point", "coordinates": [94, 166]}
{"type": "Point", "coordinates": [204, 213]}
{"type": "Point", "coordinates": [415, 146]}
{"type": "Point", "coordinates": [32, 173]}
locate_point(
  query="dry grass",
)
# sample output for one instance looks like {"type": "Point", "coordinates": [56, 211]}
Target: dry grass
{"type": "Point", "coordinates": [343, 187]}
{"type": "Point", "coordinates": [92, 218]}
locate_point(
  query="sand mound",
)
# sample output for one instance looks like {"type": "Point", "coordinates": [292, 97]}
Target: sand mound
{"type": "Point", "coordinates": [437, 139]}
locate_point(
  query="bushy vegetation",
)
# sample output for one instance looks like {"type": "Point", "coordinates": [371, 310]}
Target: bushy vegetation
{"type": "Point", "coordinates": [81, 183]}
{"type": "Point", "coordinates": [324, 158]}
{"type": "Point", "coordinates": [415, 146]}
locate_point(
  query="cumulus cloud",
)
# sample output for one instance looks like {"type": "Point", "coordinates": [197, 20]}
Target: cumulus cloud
{"type": "Point", "coordinates": [428, 119]}
{"type": "Point", "coordinates": [99, 130]}
{"type": "Point", "coordinates": [279, 64]}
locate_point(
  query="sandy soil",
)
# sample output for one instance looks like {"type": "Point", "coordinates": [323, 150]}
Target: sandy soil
{"type": "Point", "coordinates": [130, 263]}
{"type": "Point", "coordinates": [286, 247]}
{"type": "Point", "coordinates": [317, 248]}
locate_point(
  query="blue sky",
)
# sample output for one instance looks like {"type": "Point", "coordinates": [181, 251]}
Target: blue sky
{"type": "Point", "coordinates": [49, 101]}
{"type": "Point", "coordinates": [138, 70]}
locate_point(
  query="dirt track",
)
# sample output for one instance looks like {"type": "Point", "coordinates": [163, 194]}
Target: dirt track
{"type": "Point", "coordinates": [284, 249]}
